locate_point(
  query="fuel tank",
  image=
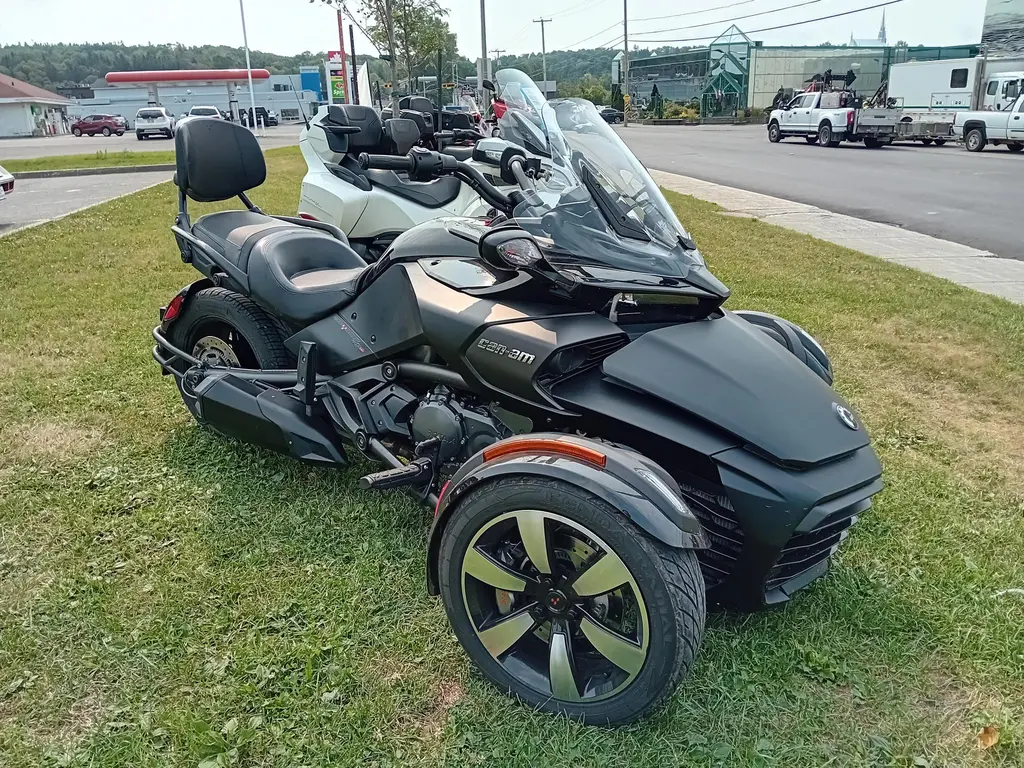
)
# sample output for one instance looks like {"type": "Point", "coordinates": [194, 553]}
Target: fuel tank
{"type": "Point", "coordinates": [730, 374]}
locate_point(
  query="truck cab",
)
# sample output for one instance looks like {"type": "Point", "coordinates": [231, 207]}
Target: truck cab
{"type": "Point", "coordinates": [980, 128]}
{"type": "Point", "coordinates": [1001, 90]}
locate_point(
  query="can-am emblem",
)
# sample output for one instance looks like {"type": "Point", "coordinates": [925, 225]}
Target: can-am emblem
{"type": "Point", "coordinates": [846, 416]}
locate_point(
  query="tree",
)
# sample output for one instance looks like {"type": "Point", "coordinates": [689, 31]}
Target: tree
{"type": "Point", "coordinates": [617, 99]}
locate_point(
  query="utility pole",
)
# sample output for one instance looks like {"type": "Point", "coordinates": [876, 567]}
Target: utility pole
{"type": "Point", "coordinates": [354, 93]}
{"type": "Point", "coordinates": [625, 61]}
{"type": "Point", "coordinates": [248, 69]}
{"type": "Point", "coordinates": [391, 53]}
{"type": "Point", "coordinates": [485, 63]}
{"type": "Point", "coordinates": [497, 55]}
{"type": "Point", "coordinates": [544, 51]}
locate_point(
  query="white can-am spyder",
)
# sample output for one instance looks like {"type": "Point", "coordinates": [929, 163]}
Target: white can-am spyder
{"type": "Point", "coordinates": [372, 207]}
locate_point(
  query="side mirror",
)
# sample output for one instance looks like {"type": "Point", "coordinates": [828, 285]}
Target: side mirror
{"type": "Point", "coordinates": [489, 151]}
{"type": "Point", "coordinates": [509, 250]}
{"type": "Point", "coordinates": [488, 85]}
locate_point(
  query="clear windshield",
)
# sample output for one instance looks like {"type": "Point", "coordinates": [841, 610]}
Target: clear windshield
{"type": "Point", "coordinates": [596, 202]}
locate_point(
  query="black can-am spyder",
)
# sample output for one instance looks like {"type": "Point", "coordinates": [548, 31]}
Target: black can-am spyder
{"type": "Point", "coordinates": [604, 446]}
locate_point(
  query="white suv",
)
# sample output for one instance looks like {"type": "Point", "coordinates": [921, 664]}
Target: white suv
{"type": "Point", "coordinates": [154, 120]}
{"type": "Point", "coordinates": [198, 111]}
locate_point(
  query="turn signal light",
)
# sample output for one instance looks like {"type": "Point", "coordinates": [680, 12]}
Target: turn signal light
{"type": "Point", "coordinates": [545, 445]}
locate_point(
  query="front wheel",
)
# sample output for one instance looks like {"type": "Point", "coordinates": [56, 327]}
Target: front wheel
{"type": "Point", "coordinates": [774, 133]}
{"type": "Point", "coordinates": [106, 132]}
{"type": "Point", "coordinates": [76, 131]}
{"type": "Point", "coordinates": [565, 604]}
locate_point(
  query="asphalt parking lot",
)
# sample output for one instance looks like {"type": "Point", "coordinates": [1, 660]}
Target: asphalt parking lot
{"type": "Point", "coordinates": [946, 192]}
{"type": "Point", "coordinates": [16, 149]}
{"type": "Point", "coordinates": [37, 200]}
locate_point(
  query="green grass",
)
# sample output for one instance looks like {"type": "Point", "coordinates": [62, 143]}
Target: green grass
{"type": "Point", "coordinates": [99, 159]}
{"type": "Point", "coordinates": [167, 596]}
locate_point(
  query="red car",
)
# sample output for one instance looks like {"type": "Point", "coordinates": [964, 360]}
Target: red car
{"type": "Point", "coordinates": [93, 124]}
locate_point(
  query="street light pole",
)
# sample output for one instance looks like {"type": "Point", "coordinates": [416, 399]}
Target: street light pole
{"type": "Point", "coordinates": [248, 67]}
{"type": "Point", "coordinates": [625, 62]}
{"type": "Point", "coordinates": [485, 63]}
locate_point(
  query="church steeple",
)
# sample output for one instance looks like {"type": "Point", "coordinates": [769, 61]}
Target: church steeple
{"type": "Point", "coordinates": [881, 32]}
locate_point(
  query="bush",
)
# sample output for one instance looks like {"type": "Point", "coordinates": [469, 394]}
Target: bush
{"type": "Point", "coordinates": [675, 111]}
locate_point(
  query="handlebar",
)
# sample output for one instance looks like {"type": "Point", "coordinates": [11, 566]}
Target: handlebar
{"type": "Point", "coordinates": [385, 162]}
{"type": "Point", "coordinates": [423, 165]}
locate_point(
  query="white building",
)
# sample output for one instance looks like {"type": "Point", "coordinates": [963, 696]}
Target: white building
{"type": "Point", "coordinates": [26, 110]}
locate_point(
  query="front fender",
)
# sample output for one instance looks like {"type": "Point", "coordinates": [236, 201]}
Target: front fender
{"type": "Point", "coordinates": [629, 481]}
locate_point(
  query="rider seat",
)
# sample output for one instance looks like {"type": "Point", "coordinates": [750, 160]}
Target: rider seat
{"type": "Point", "coordinates": [296, 271]}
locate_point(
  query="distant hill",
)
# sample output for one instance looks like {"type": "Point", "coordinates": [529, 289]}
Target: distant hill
{"type": "Point", "coordinates": [66, 65]}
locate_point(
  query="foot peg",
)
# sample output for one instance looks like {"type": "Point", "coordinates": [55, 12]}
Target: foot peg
{"type": "Point", "coordinates": [414, 473]}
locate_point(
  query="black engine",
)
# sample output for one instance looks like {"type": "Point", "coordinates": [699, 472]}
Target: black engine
{"type": "Point", "coordinates": [462, 427]}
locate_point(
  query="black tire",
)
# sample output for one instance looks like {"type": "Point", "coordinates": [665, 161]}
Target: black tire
{"type": "Point", "coordinates": [669, 582]}
{"type": "Point", "coordinates": [826, 137]}
{"type": "Point", "coordinates": [106, 132]}
{"type": "Point", "coordinates": [940, 142]}
{"type": "Point", "coordinates": [256, 339]}
{"type": "Point", "coordinates": [77, 131]}
{"type": "Point", "coordinates": [140, 135]}
{"type": "Point", "coordinates": [169, 134]}
{"type": "Point", "coordinates": [872, 143]}
{"type": "Point", "coordinates": [811, 139]}
{"type": "Point", "coordinates": [774, 132]}
{"type": "Point", "coordinates": [926, 142]}
{"type": "Point", "coordinates": [120, 133]}
{"type": "Point", "coordinates": [1015, 147]}
{"type": "Point", "coordinates": [975, 140]}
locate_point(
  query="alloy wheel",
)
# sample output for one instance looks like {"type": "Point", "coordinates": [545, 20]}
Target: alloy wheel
{"type": "Point", "coordinates": [555, 606]}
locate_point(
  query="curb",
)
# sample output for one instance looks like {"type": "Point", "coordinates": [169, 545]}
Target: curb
{"type": "Point", "coordinates": [93, 171]}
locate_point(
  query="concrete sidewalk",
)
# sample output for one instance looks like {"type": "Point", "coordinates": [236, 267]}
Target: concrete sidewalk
{"type": "Point", "coordinates": [980, 270]}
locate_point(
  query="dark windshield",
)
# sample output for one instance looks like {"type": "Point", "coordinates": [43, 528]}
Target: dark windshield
{"type": "Point", "coordinates": [595, 202]}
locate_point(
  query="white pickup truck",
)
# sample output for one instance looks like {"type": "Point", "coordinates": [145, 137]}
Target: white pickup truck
{"type": "Point", "coordinates": [829, 119]}
{"type": "Point", "coordinates": [979, 129]}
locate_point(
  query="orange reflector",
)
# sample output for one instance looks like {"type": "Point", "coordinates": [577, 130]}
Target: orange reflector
{"type": "Point", "coordinates": [545, 445]}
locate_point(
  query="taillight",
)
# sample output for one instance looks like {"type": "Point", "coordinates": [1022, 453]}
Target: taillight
{"type": "Point", "coordinates": [307, 217]}
{"type": "Point", "coordinates": [849, 119]}
{"type": "Point", "coordinates": [173, 309]}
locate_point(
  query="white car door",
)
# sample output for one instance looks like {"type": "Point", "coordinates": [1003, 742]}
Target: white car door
{"type": "Point", "coordinates": [789, 114]}
{"type": "Point", "coordinates": [801, 113]}
{"type": "Point", "coordinates": [1015, 130]}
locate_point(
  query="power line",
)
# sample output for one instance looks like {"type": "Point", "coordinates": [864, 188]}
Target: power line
{"type": "Point", "coordinates": [737, 18]}
{"type": "Point", "coordinates": [585, 39]}
{"type": "Point", "coordinates": [780, 26]}
{"type": "Point", "coordinates": [694, 13]}
{"type": "Point", "coordinates": [589, 3]}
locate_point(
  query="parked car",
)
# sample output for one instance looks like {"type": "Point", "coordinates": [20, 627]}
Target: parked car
{"type": "Point", "coordinates": [611, 115]}
{"type": "Point", "coordinates": [272, 118]}
{"type": "Point", "coordinates": [831, 118]}
{"type": "Point", "coordinates": [154, 121]}
{"type": "Point", "coordinates": [979, 129]}
{"type": "Point", "coordinates": [6, 183]}
{"type": "Point", "coordinates": [93, 124]}
{"type": "Point", "coordinates": [205, 112]}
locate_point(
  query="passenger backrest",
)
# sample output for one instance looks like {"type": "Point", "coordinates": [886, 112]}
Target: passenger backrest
{"type": "Point", "coordinates": [370, 135]}
{"type": "Point", "coordinates": [217, 160]}
{"type": "Point", "coordinates": [404, 134]}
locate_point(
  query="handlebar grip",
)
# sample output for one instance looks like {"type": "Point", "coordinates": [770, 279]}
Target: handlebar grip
{"type": "Point", "coordinates": [385, 162]}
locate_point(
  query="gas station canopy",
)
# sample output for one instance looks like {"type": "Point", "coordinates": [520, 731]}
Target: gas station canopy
{"type": "Point", "coordinates": [186, 76]}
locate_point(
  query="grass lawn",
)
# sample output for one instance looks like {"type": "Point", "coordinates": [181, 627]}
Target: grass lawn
{"type": "Point", "coordinates": [169, 597]}
{"type": "Point", "coordinates": [99, 159]}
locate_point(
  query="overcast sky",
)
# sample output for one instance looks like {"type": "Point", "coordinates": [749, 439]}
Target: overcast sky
{"type": "Point", "coordinates": [293, 26]}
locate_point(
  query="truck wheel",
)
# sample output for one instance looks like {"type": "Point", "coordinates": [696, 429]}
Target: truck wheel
{"type": "Point", "coordinates": [1015, 147]}
{"type": "Point", "coordinates": [940, 142]}
{"type": "Point", "coordinates": [871, 143]}
{"type": "Point", "coordinates": [825, 136]}
{"type": "Point", "coordinates": [975, 140]}
{"type": "Point", "coordinates": [774, 133]}
{"type": "Point", "coordinates": [565, 604]}
{"type": "Point", "coordinates": [926, 142]}
{"type": "Point", "coordinates": [811, 139]}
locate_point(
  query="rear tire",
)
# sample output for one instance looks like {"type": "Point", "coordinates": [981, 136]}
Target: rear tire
{"type": "Point", "coordinates": [825, 136]}
{"type": "Point", "coordinates": [656, 644]}
{"type": "Point", "coordinates": [926, 142]}
{"type": "Point", "coordinates": [139, 135]}
{"type": "Point", "coordinates": [873, 143]}
{"type": "Point", "coordinates": [774, 133]}
{"type": "Point", "coordinates": [106, 132]}
{"type": "Point", "coordinates": [940, 142]}
{"type": "Point", "coordinates": [227, 328]}
{"type": "Point", "coordinates": [1015, 147]}
{"type": "Point", "coordinates": [975, 140]}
